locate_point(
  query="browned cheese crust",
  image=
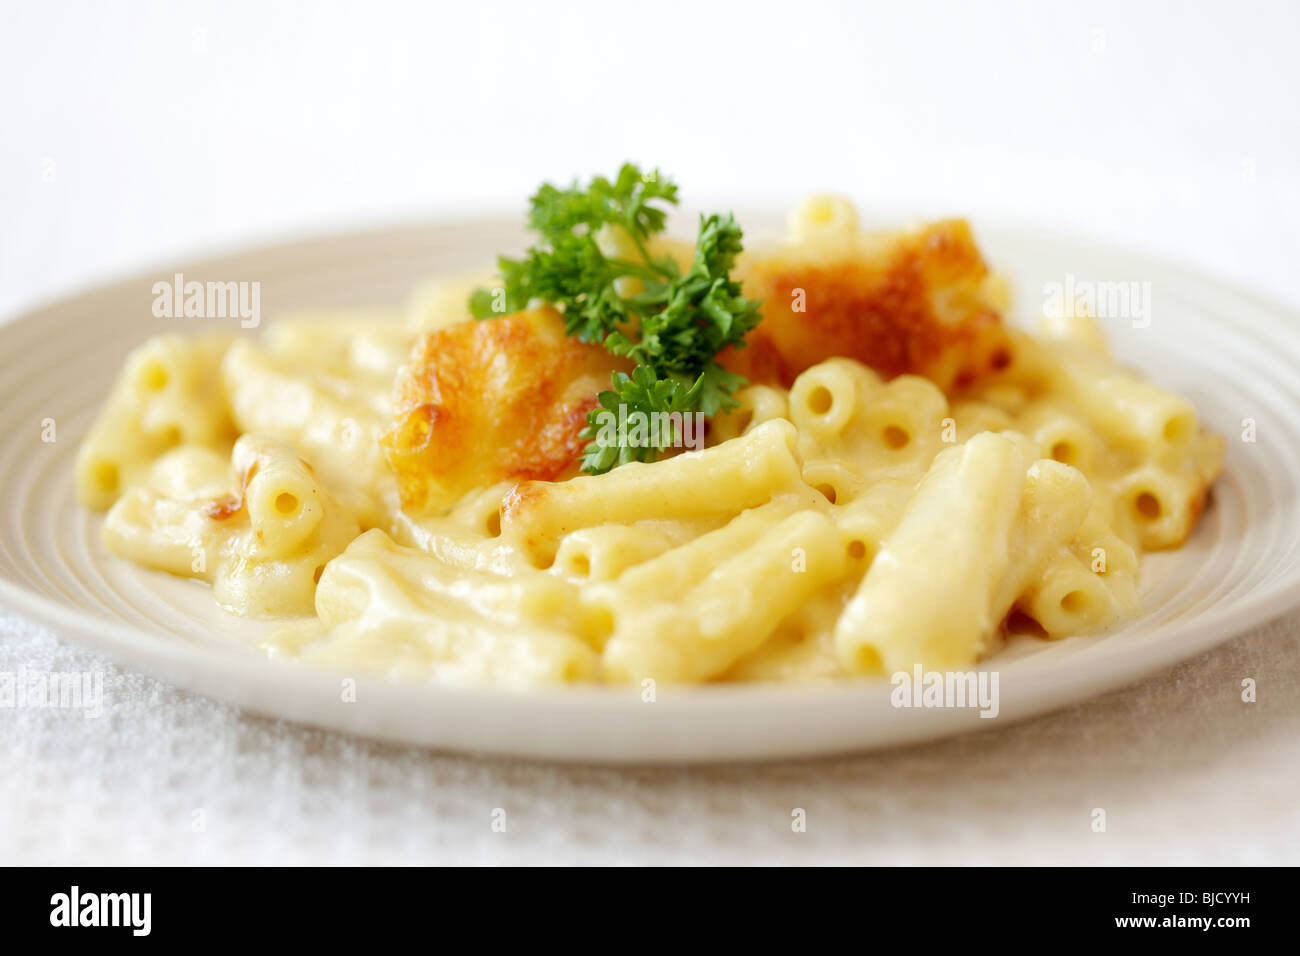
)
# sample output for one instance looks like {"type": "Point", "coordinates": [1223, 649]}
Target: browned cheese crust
{"type": "Point", "coordinates": [483, 402]}
{"type": "Point", "coordinates": [915, 304]}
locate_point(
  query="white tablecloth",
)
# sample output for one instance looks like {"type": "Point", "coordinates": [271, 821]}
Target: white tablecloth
{"type": "Point", "coordinates": [1184, 769]}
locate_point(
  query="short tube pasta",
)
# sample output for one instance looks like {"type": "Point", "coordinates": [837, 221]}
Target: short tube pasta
{"type": "Point", "coordinates": [907, 410]}
{"type": "Point", "coordinates": [1134, 412]}
{"type": "Point", "coordinates": [724, 479]}
{"type": "Point", "coordinates": [167, 395]}
{"type": "Point", "coordinates": [1054, 503]}
{"type": "Point", "coordinates": [972, 417]}
{"type": "Point", "coordinates": [231, 526]}
{"type": "Point", "coordinates": [867, 520]}
{"type": "Point", "coordinates": [404, 614]}
{"type": "Point", "coordinates": [1069, 598]}
{"type": "Point", "coordinates": [909, 609]}
{"type": "Point", "coordinates": [683, 567]}
{"type": "Point", "coordinates": [837, 482]}
{"type": "Point", "coordinates": [332, 416]}
{"type": "Point", "coordinates": [825, 398]}
{"type": "Point", "coordinates": [1062, 437]}
{"type": "Point", "coordinates": [281, 495]}
{"type": "Point", "coordinates": [1161, 504]}
{"type": "Point", "coordinates": [821, 220]}
{"type": "Point", "coordinates": [1070, 326]}
{"type": "Point", "coordinates": [605, 552]}
{"type": "Point", "coordinates": [722, 617]}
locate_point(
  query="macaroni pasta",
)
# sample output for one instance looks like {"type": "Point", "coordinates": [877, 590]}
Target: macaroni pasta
{"type": "Point", "coordinates": [849, 517]}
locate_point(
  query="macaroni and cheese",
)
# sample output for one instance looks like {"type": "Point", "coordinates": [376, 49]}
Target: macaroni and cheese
{"type": "Point", "coordinates": [904, 473]}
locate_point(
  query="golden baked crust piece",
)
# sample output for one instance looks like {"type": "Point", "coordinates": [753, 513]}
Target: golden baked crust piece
{"type": "Point", "coordinates": [482, 402]}
{"type": "Point", "coordinates": [918, 302]}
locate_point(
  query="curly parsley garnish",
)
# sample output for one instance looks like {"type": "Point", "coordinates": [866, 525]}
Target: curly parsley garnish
{"type": "Point", "coordinates": [673, 325]}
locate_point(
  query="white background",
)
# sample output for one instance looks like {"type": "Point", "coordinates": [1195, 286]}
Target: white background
{"type": "Point", "coordinates": [136, 133]}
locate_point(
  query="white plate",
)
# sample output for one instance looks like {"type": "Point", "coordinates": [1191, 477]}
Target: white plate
{"type": "Point", "coordinates": [1234, 354]}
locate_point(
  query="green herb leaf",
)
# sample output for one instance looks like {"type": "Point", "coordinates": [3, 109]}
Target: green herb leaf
{"type": "Point", "coordinates": [631, 421]}
{"type": "Point", "coordinates": [673, 328]}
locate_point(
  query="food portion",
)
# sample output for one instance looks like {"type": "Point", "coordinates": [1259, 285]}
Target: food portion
{"type": "Point", "coordinates": [921, 302]}
{"type": "Point", "coordinates": [630, 458]}
{"type": "Point", "coordinates": [483, 402]}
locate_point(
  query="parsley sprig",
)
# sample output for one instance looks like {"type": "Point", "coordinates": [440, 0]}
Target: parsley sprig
{"type": "Point", "coordinates": [673, 325]}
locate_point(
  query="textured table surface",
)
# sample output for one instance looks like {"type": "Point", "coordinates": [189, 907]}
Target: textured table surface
{"type": "Point", "coordinates": [1185, 771]}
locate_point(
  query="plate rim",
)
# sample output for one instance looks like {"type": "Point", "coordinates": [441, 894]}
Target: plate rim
{"type": "Point", "coordinates": [182, 662]}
